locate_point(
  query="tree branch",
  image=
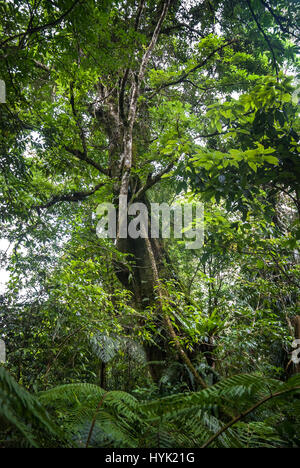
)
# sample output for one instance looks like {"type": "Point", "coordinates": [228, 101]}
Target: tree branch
{"type": "Point", "coordinates": [139, 15]}
{"type": "Point", "coordinates": [245, 413]}
{"type": "Point", "coordinates": [278, 18]}
{"type": "Point", "coordinates": [180, 26]}
{"type": "Point", "coordinates": [153, 41]}
{"type": "Point", "coordinates": [83, 157]}
{"type": "Point", "coordinates": [30, 30]}
{"type": "Point", "coordinates": [126, 158]}
{"type": "Point", "coordinates": [42, 66]}
{"type": "Point", "coordinates": [78, 124]}
{"type": "Point", "coordinates": [175, 339]}
{"type": "Point", "coordinates": [264, 35]}
{"type": "Point", "coordinates": [152, 181]}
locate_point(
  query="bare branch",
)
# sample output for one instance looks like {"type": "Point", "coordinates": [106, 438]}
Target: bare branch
{"type": "Point", "coordinates": [180, 26]}
{"type": "Point", "coordinates": [153, 41]}
{"type": "Point", "coordinates": [127, 71]}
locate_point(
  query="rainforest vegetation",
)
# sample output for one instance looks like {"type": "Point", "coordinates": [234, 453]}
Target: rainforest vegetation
{"type": "Point", "coordinates": [121, 342]}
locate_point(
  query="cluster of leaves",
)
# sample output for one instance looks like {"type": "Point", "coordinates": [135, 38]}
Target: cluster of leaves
{"type": "Point", "coordinates": [23, 420]}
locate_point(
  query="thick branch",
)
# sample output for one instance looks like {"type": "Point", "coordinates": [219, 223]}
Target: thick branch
{"type": "Point", "coordinates": [180, 26]}
{"type": "Point", "coordinates": [153, 41]}
{"type": "Point", "coordinates": [42, 66]}
{"type": "Point", "coordinates": [127, 71]}
{"type": "Point", "coordinates": [122, 94]}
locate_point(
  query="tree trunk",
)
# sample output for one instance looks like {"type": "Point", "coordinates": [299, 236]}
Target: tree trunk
{"type": "Point", "coordinates": [296, 367]}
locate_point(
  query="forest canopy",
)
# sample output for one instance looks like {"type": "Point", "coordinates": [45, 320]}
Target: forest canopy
{"type": "Point", "coordinates": [115, 337]}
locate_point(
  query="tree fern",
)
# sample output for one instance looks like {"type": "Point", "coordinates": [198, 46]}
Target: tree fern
{"type": "Point", "coordinates": [181, 420]}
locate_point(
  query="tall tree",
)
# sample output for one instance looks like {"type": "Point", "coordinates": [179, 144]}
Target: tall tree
{"type": "Point", "coordinates": [105, 99]}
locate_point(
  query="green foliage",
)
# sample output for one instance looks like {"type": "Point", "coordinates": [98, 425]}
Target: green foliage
{"type": "Point", "coordinates": [23, 420]}
{"type": "Point", "coordinates": [216, 120]}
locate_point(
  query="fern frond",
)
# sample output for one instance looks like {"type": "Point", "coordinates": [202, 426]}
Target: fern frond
{"type": "Point", "coordinates": [23, 411]}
